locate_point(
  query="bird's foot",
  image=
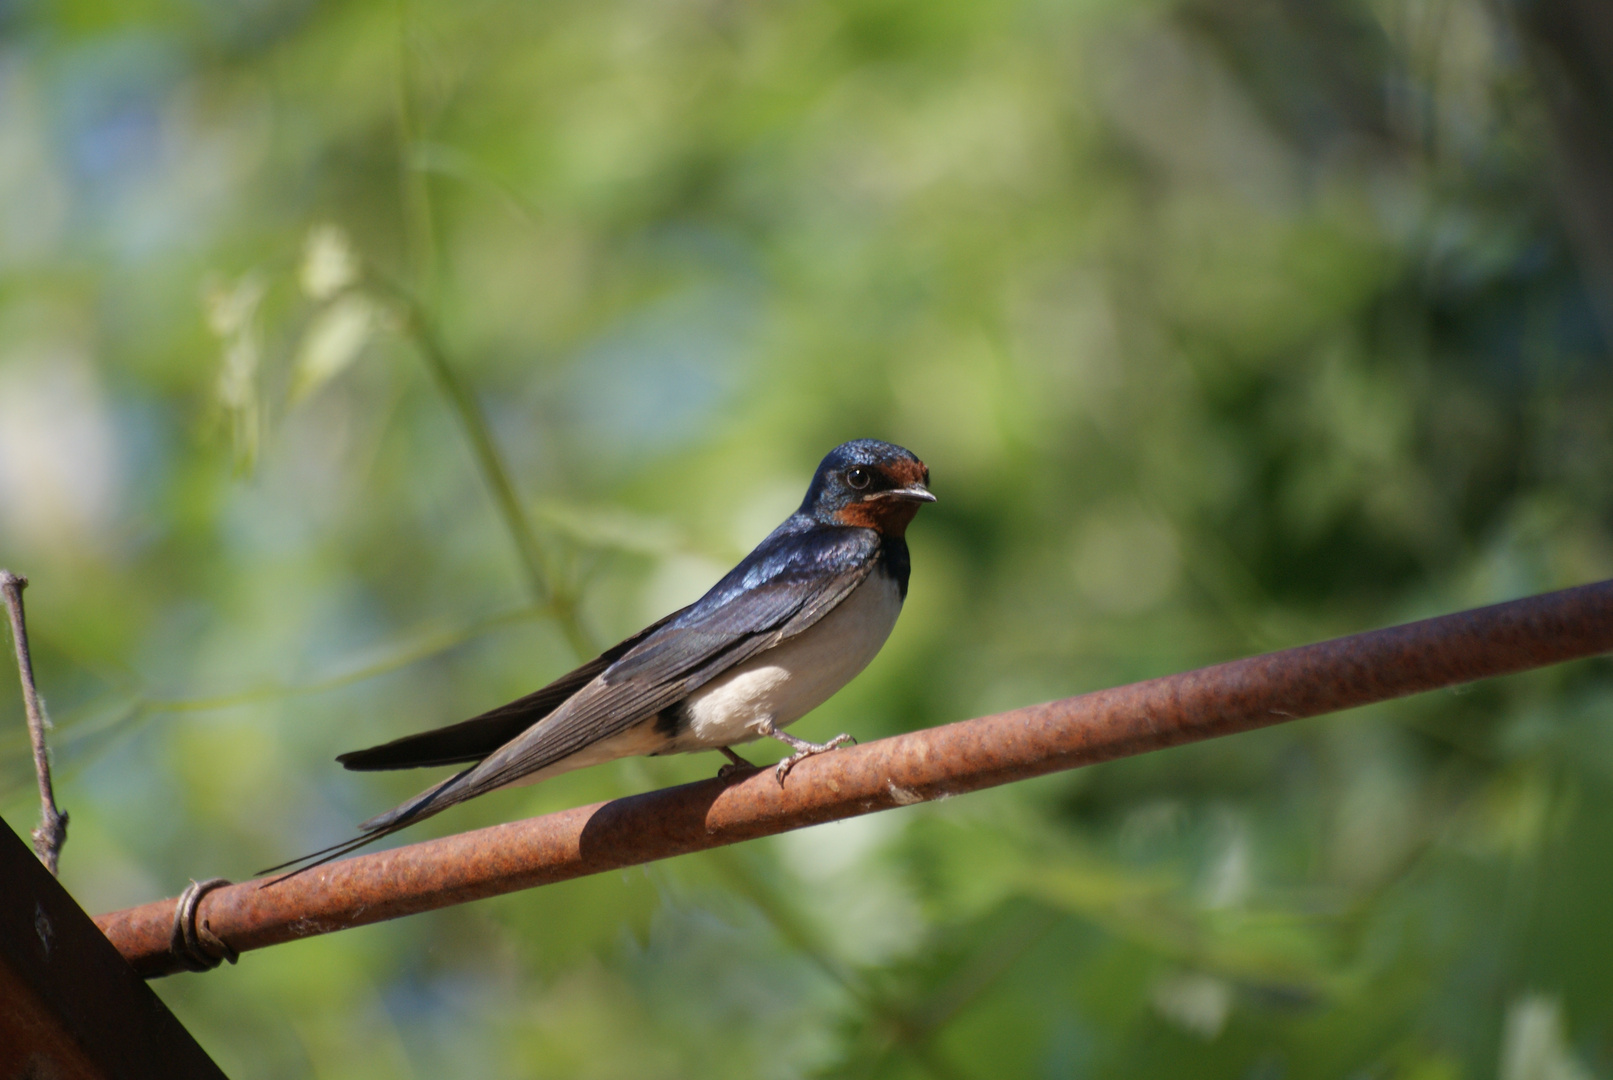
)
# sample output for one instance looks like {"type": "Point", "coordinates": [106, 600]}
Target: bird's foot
{"type": "Point", "coordinates": [735, 763]}
{"type": "Point", "coordinates": [804, 750]}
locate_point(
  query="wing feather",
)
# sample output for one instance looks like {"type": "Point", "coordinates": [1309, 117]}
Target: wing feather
{"type": "Point", "coordinates": [476, 738]}
{"type": "Point", "coordinates": [782, 597]}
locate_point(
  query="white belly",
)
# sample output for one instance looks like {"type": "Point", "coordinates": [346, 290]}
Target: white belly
{"type": "Point", "coordinates": [790, 680]}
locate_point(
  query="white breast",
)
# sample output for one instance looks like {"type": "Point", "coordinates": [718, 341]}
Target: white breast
{"type": "Point", "coordinates": [790, 680]}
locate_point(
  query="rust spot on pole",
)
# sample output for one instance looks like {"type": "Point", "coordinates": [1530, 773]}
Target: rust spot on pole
{"type": "Point", "coordinates": [1221, 700]}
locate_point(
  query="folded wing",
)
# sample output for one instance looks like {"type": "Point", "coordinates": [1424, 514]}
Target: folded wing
{"type": "Point", "coordinates": [771, 596]}
{"type": "Point", "coordinates": [476, 738]}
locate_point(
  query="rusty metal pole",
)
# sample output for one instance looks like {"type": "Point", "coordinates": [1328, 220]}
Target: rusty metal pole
{"type": "Point", "coordinates": [930, 764]}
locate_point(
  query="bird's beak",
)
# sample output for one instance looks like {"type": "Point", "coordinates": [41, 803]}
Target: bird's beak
{"type": "Point", "coordinates": [916, 493]}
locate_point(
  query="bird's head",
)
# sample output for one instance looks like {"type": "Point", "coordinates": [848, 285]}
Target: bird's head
{"type": "Point", "coordinates": [870, 484]}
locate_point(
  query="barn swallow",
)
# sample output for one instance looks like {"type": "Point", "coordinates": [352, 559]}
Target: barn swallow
{"type": "Point", "coordinates": [795, 621]}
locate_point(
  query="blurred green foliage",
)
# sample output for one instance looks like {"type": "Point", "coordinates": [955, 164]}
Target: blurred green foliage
{"type": "Point", "coordinates": [361, 363]}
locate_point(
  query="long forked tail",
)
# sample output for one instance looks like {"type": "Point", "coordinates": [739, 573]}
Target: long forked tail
{"type": "Point", "coordinates": [378, 827]}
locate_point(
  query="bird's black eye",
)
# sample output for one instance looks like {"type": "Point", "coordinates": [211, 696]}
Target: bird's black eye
{"type": "Point", "coordinates": [858, 477]}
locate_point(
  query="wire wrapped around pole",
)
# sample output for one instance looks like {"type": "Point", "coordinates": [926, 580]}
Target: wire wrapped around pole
{"type": "Point", "coordinates": [934, 763]}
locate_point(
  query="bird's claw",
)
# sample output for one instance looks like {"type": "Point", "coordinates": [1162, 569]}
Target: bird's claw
{"type": "Point", "coordinates": [805, 750]}
{"type": "Point", "coordinates": [735, 764]}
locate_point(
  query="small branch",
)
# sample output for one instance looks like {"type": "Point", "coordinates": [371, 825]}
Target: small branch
{"type": "Point", "coordinates": [539, 574]}
{"type": "Point", "coordinates": [414, 306]}
{"type": "Point", "coordinates": [1243, 695]}
{"type": "Point", "coordinates": [419, 225]}
{"type": "Point", "coordinates": [470, 417]}
{"type": "Point", "coordinates": [52, 831]}
{"type": "Point", "coordinates": [419, 233]}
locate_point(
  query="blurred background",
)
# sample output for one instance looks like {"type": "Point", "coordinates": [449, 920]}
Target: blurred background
{"type": "Point", "coordinates": [365, 364]}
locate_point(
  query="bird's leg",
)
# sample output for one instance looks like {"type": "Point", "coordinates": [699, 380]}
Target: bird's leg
{"type": "Point", "coordinates": [735, 763]}
{"type": "Point", "coordinates": [802, 748]}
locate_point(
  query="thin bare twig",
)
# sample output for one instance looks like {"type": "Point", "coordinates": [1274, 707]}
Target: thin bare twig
{"type": "Point", "coordinates": [52, 831]}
